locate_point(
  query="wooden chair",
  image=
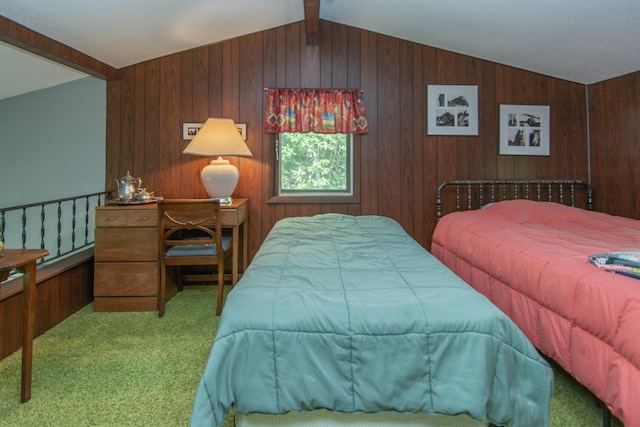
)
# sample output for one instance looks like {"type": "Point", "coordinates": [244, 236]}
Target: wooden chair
{"type": "Point", "coordinates": [190, 233]}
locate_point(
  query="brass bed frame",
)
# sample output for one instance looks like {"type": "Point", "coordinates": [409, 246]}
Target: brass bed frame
{"type": "Point", "coordinates": [474, 194]}
{"type": "Point", "coordinates": [477, 193]}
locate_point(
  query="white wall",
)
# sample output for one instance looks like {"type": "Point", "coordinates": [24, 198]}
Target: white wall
{"type": "Point", "coordinates": [52, 146]}
{"type": "Point", "coordinates": [52, 142]}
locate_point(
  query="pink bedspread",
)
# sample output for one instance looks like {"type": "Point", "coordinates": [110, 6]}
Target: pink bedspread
{"type": "Point", "coordinates": [531, 260]}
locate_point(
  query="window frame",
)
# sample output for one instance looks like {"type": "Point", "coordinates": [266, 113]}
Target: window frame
{"type": "Point", "coordinates": [274, 179]}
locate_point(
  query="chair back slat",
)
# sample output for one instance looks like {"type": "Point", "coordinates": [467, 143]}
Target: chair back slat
{"type": "Point", "coordinates": [190, 215]}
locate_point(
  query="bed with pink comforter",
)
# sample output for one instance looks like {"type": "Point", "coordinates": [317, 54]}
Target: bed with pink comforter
{"type": "Point", "coordinates": [531, 259]}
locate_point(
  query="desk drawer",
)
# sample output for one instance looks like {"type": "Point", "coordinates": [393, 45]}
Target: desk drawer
{"type": "Point", "coordinates": [111, 218]}
{"type": "Point", "coordinates": [126, 244]}
{"type": "Point", "coordinates": [142, 218]}
{"type": "Point", "coordinates": [125, 279]}
{"type": "Point", "coordinates": [116, 217]}
{"type": "Point", "coordinates": [233, 216]}
{"type": "Point", "coordinates": [229, 216]}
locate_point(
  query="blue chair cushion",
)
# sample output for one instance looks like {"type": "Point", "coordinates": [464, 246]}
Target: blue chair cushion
{"type": "Point", "coordinates": [198, 250]}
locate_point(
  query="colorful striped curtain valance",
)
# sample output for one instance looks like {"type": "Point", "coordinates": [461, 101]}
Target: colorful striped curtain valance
{"type": "Point", "coordinates": [315, 110]}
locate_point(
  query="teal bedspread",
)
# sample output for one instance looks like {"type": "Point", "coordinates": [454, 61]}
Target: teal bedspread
{"type": "Point", "coordinates": [353, 315]}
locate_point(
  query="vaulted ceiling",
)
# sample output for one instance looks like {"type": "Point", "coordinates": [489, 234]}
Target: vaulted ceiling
{"type": "Point", "coordinates": [584, 41]}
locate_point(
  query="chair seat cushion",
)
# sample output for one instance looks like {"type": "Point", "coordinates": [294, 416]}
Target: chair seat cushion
{"type": "Point", "coordinates": [198, 250]}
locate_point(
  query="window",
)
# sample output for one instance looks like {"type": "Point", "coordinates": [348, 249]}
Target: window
{"type": "Point", "coordinates": [315, 168]}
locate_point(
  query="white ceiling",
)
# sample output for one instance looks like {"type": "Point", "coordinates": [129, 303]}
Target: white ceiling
{"type": "Point", "coordinates": [584, 41]}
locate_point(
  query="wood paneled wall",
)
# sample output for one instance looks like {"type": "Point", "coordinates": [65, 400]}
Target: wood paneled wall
{"type": "Point", "coordinates": [401, 166]}
{"type": "Point", "coordinates": [63, 288]}
{"type": "Point", "coordinates": [614, 112]}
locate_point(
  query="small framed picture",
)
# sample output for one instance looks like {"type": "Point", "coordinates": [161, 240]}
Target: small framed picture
{"type": "Point", "coordinates": [189, 130]}
{"type": "Point", "coordinates": [524, 130]}
{"type": "Point", "coordinates": [242, 128]}
{"type": "Point", "coordinates": [452, 110]}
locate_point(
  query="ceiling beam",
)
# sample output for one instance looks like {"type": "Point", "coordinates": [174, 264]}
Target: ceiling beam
{"type": "Point", "coordinates": [312, 21]}
{"type": "Point", "coordinates": [22, 37]}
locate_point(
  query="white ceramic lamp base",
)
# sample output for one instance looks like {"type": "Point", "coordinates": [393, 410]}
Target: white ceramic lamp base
{"type": "Point", "coordinates": [220, 179]}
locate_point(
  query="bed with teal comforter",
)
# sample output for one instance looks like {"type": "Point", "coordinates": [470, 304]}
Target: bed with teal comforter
{"type": "Point", "coordinates": [350, 314]}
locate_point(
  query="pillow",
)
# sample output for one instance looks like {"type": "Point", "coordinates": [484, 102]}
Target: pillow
{"type": "Point", "coordinates": [625, 263]}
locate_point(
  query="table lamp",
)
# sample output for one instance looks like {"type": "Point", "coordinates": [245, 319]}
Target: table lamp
{"type": "Point", "coordinates": [219, 137]}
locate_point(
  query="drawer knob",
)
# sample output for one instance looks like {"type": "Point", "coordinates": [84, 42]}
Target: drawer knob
{"type": "Point", "coordinates": [143, 218]}
{"type": "Point", "coordinates": [109, 218]}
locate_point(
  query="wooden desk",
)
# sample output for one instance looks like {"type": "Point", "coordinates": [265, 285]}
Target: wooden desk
{"type": "Point", "coordinates": [126, 276]}
{"type": "Point", "coordinates": [24, 260]}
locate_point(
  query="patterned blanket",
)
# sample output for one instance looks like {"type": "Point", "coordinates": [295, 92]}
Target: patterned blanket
{"type": "Point", "coordinates": [625, 263]}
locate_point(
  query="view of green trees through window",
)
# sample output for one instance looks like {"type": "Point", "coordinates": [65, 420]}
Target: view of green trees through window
{"type": "Point", "coordinates": [315, 162]}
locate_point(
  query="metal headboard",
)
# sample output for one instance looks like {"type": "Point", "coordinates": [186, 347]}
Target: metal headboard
{"type": "Point", "coordinates": [480, 192]}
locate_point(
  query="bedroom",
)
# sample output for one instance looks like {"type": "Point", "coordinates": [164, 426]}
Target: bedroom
{"type": "Point", "coordinates": [401, 165]}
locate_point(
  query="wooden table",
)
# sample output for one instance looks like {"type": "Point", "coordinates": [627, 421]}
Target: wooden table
{"type": "Point", "coordinates": [24, 260]}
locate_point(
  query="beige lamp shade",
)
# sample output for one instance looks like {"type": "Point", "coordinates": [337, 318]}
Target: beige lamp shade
{"type": "Point", "coordinates": [219, 137]}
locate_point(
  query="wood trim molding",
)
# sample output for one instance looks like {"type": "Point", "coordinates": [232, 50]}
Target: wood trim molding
{"type": "Point", "coordinates": [22, 37]}
{"type": "Point", "coordinates": [312, 21]}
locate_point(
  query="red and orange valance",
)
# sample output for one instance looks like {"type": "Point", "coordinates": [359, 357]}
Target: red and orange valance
{"type": "Point", "coordinates": [315, 110]}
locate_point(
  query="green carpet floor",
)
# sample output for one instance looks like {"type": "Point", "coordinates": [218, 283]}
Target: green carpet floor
{"type": "Point", "coordinates": [134, 369]}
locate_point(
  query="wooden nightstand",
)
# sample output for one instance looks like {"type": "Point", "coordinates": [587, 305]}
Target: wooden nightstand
{"type": "Point", "coordinates": [126, 276]}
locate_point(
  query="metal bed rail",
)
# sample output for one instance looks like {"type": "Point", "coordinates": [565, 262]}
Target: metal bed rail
{"type": "Point", "coordinates": [477, 193]}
